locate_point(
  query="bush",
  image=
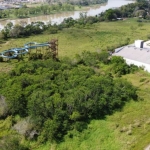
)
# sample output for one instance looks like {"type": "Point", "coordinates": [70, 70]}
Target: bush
{"type": "Point", "coordinates": [53, 29]}
{"type": "Point", "coordinates": [12, 143]}
{"type": "Point", "coordinates": [1, 59]}
{"type": "Point", "coordinates": [119, 66]}
{"type": "Point", "coordinates": [35, 56]}
{"type": "Point", "coordinates": [142, 79]}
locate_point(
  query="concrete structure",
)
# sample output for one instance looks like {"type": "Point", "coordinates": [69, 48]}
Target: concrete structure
{"type": "Point", "coordinates": [137, 54]}
{"type": "Point", "coordinates": [138, 43]}
{"type": "Point", "coordinates": [146, 44]}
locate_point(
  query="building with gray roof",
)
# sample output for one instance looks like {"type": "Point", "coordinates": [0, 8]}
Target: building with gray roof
{"type": "Point", "coordinates": [137, 54]}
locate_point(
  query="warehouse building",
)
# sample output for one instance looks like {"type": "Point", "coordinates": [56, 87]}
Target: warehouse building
{"type": "Point", "coordinates": [137, 54]}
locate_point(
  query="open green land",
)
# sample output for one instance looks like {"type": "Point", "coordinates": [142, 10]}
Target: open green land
{"type": "Point", "coordinates": [125, 129]}
{"type": "Point", "coordinates": [99, 36]}
{"type": "Point", "coordinates": [93, 38]}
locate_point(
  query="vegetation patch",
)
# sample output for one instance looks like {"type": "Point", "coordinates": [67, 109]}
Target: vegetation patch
{"type": "Point", "coordinates": [62, 97]}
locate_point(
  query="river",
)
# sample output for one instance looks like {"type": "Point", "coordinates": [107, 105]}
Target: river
{"type": "Point", "coordinates": [58, 18]}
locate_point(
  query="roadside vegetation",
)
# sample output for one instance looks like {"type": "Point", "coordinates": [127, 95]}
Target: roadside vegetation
{"type": "Point", "coordinates": [84, 100]}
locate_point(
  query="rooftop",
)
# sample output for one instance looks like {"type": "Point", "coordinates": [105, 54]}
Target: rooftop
{"type": "Point", "coordinates": [134, 53]}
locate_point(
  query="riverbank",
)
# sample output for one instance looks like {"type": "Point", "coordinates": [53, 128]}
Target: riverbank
{"type": "Point", "coordinates": [48, 17]}
{"type": "Point", "coordinates": [76, 8]}
{"type": "Point", "coordinates": [60, 16]}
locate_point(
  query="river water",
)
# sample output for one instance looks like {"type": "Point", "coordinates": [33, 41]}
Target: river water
{"type": "Point", "coordinates": [58, 18]}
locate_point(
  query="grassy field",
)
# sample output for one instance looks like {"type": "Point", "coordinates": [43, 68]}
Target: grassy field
{"type": "Point", "coordinates": [127, 129]}
{"type": "Point", "coordinates": [97, 37]}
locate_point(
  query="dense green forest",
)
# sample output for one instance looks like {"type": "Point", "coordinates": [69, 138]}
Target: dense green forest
{"type": "Point", "coordinates": [61, 96]}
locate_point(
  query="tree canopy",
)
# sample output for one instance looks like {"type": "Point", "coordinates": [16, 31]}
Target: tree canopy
{"type": "Point", "coordinates": [63, 95]}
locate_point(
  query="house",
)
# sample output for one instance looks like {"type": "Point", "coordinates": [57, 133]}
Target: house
{"type": "Point", "coordinates": [137, 54]}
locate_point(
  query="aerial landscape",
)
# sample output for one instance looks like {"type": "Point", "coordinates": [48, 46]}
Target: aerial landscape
{"type": "Point", "coordinates": [74, 75]}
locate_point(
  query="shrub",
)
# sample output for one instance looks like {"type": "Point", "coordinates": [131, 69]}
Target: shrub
{"type": "Point", "coordinates": [1, 59]}
{"type": "Point", "coordinates": [35, 56]}
{"type": "Point", "coordinates": [142, 79]}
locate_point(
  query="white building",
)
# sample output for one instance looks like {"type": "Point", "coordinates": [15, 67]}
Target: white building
{"type": "Point", "coordinates": [138, 43]}
{"type": "Point", "coordinates": [137, 54]}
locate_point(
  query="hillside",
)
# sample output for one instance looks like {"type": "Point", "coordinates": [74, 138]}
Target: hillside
{"type": "Point", "coordinates": [84, 99]}
{"type": "Point", "coordinates": [130, 128]}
